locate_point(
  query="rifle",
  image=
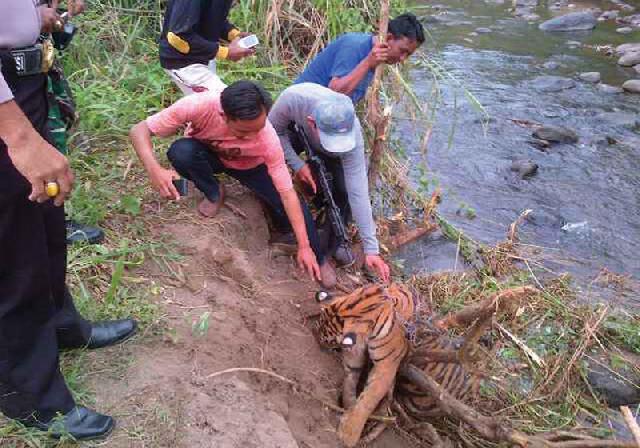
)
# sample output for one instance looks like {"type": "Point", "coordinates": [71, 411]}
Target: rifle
{"type": "Point", "coordinates": [324, 181]}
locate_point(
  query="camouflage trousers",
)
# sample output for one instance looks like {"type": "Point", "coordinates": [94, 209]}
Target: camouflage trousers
{"type": "Point", "coordinates": [62, 113]}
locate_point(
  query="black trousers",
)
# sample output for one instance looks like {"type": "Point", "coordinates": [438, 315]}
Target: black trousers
{"type": "Point", "coordinates": [195, 161]}
{"type": "Point", "coordinates": [37, 315]}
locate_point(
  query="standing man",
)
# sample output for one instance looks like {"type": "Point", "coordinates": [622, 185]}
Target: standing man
{"type": "Point", "coordinates": [332, 129]}
{"type": "Point", "coordinates": [229, 133]}
{"type": "Point", "coordinates": [37, 316]}
{"type": "Point", "coordinates": [190, 43]}
{"type": "Point", "coordinates": [348, 63]}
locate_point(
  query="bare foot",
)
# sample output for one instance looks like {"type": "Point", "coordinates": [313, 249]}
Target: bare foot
{"type": "Point", "coordinates": [210, 209]}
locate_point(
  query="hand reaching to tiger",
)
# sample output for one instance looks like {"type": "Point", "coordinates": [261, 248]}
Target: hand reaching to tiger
{"type": "Point", "coordinates": [376, 263]}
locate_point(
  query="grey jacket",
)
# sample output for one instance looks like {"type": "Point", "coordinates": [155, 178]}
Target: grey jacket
{"type": "Point", "coordinates": [295, 104]}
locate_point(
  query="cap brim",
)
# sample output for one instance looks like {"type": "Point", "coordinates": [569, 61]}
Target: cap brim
{"type": "Point", "coordinates": [338, 143]}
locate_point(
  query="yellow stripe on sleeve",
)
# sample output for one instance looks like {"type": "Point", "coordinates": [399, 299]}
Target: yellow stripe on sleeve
{"type": "Point", "coordinates": [222, 53]}
{"type": "Point", "coordinates": [178, 43]}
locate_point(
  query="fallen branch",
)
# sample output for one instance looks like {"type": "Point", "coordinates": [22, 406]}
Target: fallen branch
{"type": "Point", "coordinates": [631, 422]}
{"type": "Point", "coordinates": [378, 418]}
{"type": "Point", "coordinates": [490, 428]}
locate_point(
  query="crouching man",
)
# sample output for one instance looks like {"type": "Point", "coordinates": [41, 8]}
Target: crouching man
{"type": "Point", "coordinates": [229, 133]}
{"type": "Point", "coordinates": [309, 117]}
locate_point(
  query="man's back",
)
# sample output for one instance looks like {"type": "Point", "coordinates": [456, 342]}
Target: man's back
{"type": "Point", "coordinates": [338, 59]}
{"type": "Point", "coordinates": [191, 31]}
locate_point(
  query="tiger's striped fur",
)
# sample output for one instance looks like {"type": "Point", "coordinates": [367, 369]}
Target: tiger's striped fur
{"type": "Point", "coordinates": [367, 324]}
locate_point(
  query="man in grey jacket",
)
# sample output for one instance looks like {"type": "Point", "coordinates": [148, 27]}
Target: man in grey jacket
{"type": "Point", "coordinates": [334, 132]}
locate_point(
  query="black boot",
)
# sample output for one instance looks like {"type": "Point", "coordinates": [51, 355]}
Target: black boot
{"type": "Point", "coordinates": [80, 422]}
{"type": "Point", "coordinates": [111, 332]}
{"type": "Point", "coordinates": [78, 232]}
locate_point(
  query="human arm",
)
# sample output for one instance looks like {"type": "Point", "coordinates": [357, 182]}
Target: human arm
{"type": "Point", "coordinates": [344, 77]}
{"type": "Point", "coordinates": [356, 182]}
{"type": "Point", "coordinates": [182, 32]}
{"type": "Point", "coordinates": [33, 156]}
{"type": "Point", "coordinates": [160, 177]}
{"type": "Point", "coordinates": [306, 258]}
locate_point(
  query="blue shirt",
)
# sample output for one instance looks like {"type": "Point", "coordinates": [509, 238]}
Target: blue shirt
{"type": "Point", "coordinates": [339, 59]}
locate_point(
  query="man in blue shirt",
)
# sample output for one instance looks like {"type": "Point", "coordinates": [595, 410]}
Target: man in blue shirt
{"type": "Point", "coordinates": [347, 64]}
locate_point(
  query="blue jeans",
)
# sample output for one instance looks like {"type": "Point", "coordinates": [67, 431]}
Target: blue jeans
{"type": "Point", "coordinates": [194, 160]}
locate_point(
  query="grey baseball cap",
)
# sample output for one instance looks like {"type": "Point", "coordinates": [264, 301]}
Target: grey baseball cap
{"type": "Point", "coordinates": [335, 118]}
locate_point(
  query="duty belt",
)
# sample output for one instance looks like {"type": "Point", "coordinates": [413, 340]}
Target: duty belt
{"type": "Point", "coordinates": [35, 59]}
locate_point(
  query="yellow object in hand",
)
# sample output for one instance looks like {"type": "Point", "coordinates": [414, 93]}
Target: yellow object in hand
{"type": "Point", "coordinates": [52, 189]}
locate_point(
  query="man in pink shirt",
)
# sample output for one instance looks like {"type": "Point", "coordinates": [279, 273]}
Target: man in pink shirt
{"type": "Point", "coordinates": [229, 133]}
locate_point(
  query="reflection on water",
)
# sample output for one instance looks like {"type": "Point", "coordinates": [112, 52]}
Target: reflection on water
{"type": "Point", "coordinates": [585, 196]}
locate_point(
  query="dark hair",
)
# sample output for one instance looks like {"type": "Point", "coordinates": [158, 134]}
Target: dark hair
{"type": "Point", "coordinates": [407, 25]}
{"type": "Point", "coordinates": [245, 100]}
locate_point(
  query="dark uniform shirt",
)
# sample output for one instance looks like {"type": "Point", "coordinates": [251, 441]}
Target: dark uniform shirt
{"type": "Point", "coordinates": [191, 31]}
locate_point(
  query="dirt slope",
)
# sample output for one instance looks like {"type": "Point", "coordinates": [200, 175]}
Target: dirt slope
{"type": "Point", "coordinates": [257, 304]}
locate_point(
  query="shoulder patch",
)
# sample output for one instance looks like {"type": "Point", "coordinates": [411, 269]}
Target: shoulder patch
{"type": "Point", "coordinates": [178, 43]}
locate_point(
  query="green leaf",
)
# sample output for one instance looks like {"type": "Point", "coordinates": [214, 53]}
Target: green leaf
{"type": "Point", "coordinates": [130, 205]}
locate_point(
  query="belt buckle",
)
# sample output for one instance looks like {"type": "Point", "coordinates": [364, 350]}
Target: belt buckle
{"type": "Point", "coordinates": [48, 55]}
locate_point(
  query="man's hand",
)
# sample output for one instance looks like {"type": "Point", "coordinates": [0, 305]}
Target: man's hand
{"type": "Point", "coordinates": [376, 263]}
{"type": "Point", "coordinates": [307, 261]}
{"type": "Point", "coordinates": [236, 52]}
{"type": "Point", "coordinates": [378, 55]}
{"type": "Point", "coordinates": [40, 163]}
{"type": "Point", "coordinates": [305, 176]}
{"type": "Point", "coordinates": [162, 181]}
{"type": "Point", "coordinates": [49, 19]}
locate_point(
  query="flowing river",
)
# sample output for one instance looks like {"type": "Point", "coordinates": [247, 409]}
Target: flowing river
{"type": "Point", "coordinates": [584, 197]}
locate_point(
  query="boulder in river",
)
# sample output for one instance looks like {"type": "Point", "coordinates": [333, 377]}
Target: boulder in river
{"type": "Point", "coordinates": [633, 20]}
{"type": "Point", "coordinates": [482, 30]}
{"type": "Point", "coordinates": [632, 86]}
{"type": "Point", "coordinates": [557, 134]}
{"type": "Point", "coordinates": [624, 30]}
{"type": "Point", "coordinates": [524, 168]}
{"type": "Point", "coordinates": [552, 83]}
{"type": "Point", "coordinates": [551, 65]}
{"type": "Point", "coordinates": [608, 15]}
{"type": "Point", "coordinates": [629, 59]}
{"type": "Point", "coordinates": [575, 21]}
{"type": "Point", "coordinates": [607, 88]}
{"type": "Point", "coordinates": [590, 77]}
{"type": "Point", "coordinates": [618, 386]}
{"type": "Point", "coordinates": [619, 119]}
{"type": "Point", "coordinates": [637, 68]}
{"type": "Point", "coordinates": [627, 48]}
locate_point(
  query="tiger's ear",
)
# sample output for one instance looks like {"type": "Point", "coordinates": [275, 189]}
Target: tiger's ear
{"type": "Point", "coordinates": [322, 296]}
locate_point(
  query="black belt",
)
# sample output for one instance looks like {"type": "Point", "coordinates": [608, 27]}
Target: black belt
{"type": "Point", "coordinates": [33, 60]}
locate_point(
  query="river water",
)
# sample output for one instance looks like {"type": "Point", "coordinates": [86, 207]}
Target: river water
{"type": "Point", "coordinates": [584, 197]}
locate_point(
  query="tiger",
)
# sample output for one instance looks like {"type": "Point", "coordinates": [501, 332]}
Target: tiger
{"type": "Point", "coordinates": [368, 324]}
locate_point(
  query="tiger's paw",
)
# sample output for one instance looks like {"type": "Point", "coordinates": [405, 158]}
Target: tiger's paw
{"type": "Point", "coordinates": [349, 432]}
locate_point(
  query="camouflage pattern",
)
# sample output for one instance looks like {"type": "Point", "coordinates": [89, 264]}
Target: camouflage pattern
{"type": "Point", "coordinates": [62, 111]}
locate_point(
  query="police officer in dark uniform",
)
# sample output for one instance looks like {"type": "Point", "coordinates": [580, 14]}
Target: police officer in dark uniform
{"type": "Point", "coordinates": [37, 315]}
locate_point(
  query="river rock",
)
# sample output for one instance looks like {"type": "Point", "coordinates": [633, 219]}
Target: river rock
{"type": "Point", "coordinates": [606, 379]}
{"type": "Point", "coordinates": [629, 59]}
{"type": "Point", "coordinates": [607, 88]}
{"type": "Point", "coordinates": [632, 86]}
{"type": "Point", "coordinates": [633, 20]}
{"type": "Point", "coordinates": [637, 68]}
{"type": "Point", "coordinates": [624, 30]}
{"type": "Point", "coordinates": [575, 21]}
{"type": "Point", "coordinates": [590, 77]}
{"type": "Point", "coordinates": [524, 168]}
{"type": "Point", "coordinates": [608, 15]}
{"type": "Point", "coordinates": [627, 48]}
{"type": "Point", "coordinates": [557, 134]}
{"type": "Point", "coordinates": [482, 30]}
{"type": "Point", "coordinates": [619, 119]}
{"type": "Point", "coordinates": [551, 65]}
{"type": "Point", "coordinates": [552, 83]}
